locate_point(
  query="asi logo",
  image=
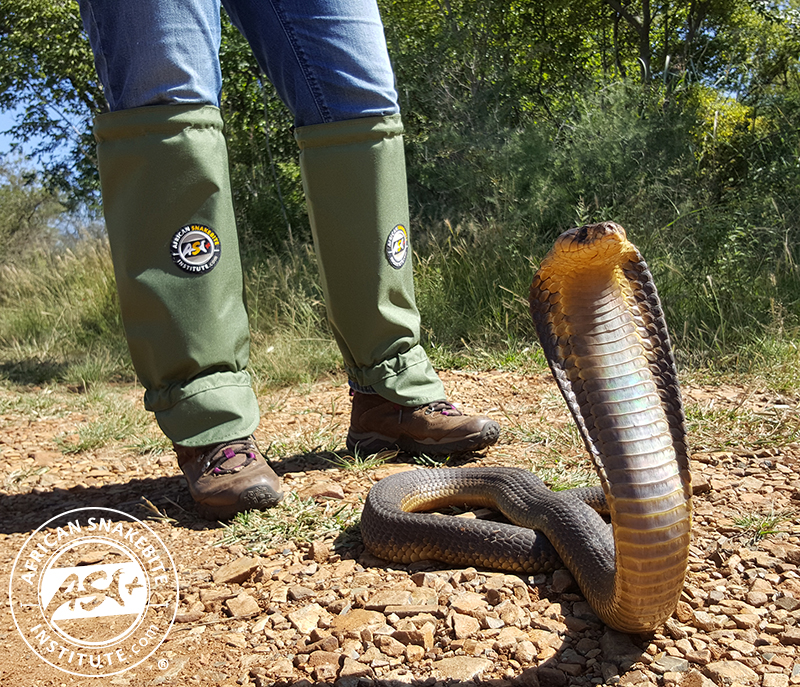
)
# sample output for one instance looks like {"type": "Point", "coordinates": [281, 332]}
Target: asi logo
{"type": "Point", "coordinates": [397, 246]}
{"type": "Point", "coordinates": [195, 248]}
{"type": "Point", "coordinates": [93, 592]}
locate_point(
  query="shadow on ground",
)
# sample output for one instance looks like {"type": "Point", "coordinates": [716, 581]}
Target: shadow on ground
{"type": "Point", "coordinates": [143, 498]}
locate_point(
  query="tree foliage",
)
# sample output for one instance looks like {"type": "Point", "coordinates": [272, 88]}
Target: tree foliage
{"type": "Point", "coordinates": [47, 71]}
{"type": "Point", "coordinates": [29, 212]}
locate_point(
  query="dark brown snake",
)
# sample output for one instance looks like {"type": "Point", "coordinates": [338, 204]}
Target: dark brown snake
{"type": "Point", "coordinates": [603, 332]}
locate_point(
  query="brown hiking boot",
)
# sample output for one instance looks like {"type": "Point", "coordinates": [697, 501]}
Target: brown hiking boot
{"type": "Point", "coordinates": [435, 429]}
{"type": "Point", "coordinates": [225, 479]}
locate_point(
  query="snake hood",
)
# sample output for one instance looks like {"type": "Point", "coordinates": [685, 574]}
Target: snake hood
{"type": "Point", "coordinates": [603, 332]}
{"type": "Point", "coordinates": [601, 325]}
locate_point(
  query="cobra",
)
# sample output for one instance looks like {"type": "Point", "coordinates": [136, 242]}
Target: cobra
{"type": "Point", "coordinates": [602, 328]}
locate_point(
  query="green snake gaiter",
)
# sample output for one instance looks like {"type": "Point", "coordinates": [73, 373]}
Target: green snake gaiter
{"type": "Point", "coordinates": [354, 177]}
{"type": "Point", "coordinates": [168, 210]}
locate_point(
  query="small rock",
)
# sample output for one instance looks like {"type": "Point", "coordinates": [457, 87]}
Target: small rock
{"type": "Point", "coordinates": [675, 629]}
{"type": "Point", "coordinates": [281, 669]}
{"type": "Point", "coordinates": [460, 668]}
{"type": "Point", "coordinates": [706, 621]}
{"type": "Point", "coordinates": [414, 653]}
{"type": "Point", "coordinates": [745, 621]}
{"type": "Point", "coordinates": [329, 643]}
{"type": "Point", "coordinates": [307, 618]}
{"type": "Point", "coordinates": [325, 672]}
{"type": "Point", "coordinates": [192, 615]}
{"type": "Point", "coordinates": [319, 551]}
{"type": "Point", "coordinates": [412, 609]}
{"type": "Point", "coordinates": [744, 648]}
{"type": "Point", "coordinates": [236, 571]}
{"type": "Point", "coordinates": [318, 658]}
{"type": "Point", "coordinates": [729, 672]}
{"type": "Point", "coordinates": [791, 636]}
{"type": "Point", "coordinates": [774, 680]}
{"type": "Point", "coordinates": [422, 636]}
{"type": "Point", "coordinates": [465, 626]}
{"type": "Point", "coordinates": [617, 647]}
{"type": "Point", "coordinates": [352, 671]}
{"type": "Point", "coordinates": [525, 653]}
{"type": "Point", "coordinates": [633, 678]}
{"type": "Point", "coordinates": [259, 625]}
{"type": "Point", "coordinates": [236, 639]}
{"type": "Point", "coordinates": [700, 656]}
{"type": "Point", "coordinates": [562, 581]}
{"type": "Point", "coordinates": [671, 664]}
{"type": "Point", "coordinates": [552, 677]}
{"type": "Point", "coordinates": [424, 596]}
{"type": "Point", "coordinates": [582, 610]}
{"type": "Point", "coordinates": [356, 620]}
{"type": "Point", "coordinates": [761, 585]}
{"type": "Point", "coordinates": [571, 669]}
{"type": "Point", "coordinates": [322, 490]}
{"type": "Point", "coordinates": [242, 606]}
{"type": "Point", "coordinates": [527, 678]}
{"type": "Point", "coordinates": [212, 596]}
{"type": "Point", "coordinates": [575, 625]}
{"type": "Point", "coordinates": [757, 598]}
{"type": "Point", "coordinates": [610, 673]}
{"type": "Point", "coordinates": [297, 592]}
{"type": "Point", "coordinates": [389, 597]}
{"type": "Point", "coordinates": [684, 612]}
{"type": "Point", "coordinates": [390, 646]}
{"type": "Point", "coordinates": [695, 678]}
{"type": "Point", "coordinates": [468, 603]}
{"type": "Point", "coordinates": [787, 603]}
{"type": "Point", "coordinates": [572, 656]}
{"type": "Point", "coordinates": [92, 557]}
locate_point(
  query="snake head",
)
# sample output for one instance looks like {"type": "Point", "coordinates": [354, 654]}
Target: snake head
{"type": "Point", "coordinates": [592, 246]}
{"type": "Point", "coordinates": [592, 233]}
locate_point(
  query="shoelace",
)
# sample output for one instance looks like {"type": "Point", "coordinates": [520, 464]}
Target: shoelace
{"type": "Point", "coordinates": [443, 407]}
{"type": "Point", "coordinates": [216, 466]}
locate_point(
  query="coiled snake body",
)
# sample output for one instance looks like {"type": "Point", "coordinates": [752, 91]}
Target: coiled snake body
{"type": "Point", "coordinates": [600, 324]}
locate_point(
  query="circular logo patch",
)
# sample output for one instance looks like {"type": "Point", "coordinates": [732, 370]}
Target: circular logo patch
{"type": "Point", "coordinates": [397, 247]}
{"type": "Point", "coordinates": [93, 592]}
{"type": "Point", "coordinates": [196, 249]}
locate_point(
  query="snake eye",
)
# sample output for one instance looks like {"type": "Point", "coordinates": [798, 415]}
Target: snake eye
{"type": "Point", "coordinates": [582, 235]}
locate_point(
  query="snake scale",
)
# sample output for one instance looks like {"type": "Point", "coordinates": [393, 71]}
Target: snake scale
{"type": "Point", "coordinates": [600, 323]}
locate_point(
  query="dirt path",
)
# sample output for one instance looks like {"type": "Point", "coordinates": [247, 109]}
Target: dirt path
{"type": "Point", "coordinates": [299, 614]}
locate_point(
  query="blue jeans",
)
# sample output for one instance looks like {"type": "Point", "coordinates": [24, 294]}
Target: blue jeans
{"type": "Point", "coordinates": [326, 58]}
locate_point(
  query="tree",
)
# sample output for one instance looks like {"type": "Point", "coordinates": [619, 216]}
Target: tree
{"type": "Point", "coordinates": [46, 68]}
{"type": "Point", "coordinates": [29, 212]}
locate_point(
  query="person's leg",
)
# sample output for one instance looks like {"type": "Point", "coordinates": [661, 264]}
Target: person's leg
{"type": "Point", "coordinates": [167, 202]}
{"type": "Point", "coordinates": [329, 62]}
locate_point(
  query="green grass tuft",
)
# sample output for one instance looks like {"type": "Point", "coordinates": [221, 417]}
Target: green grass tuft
{"type": "Point", "coordinates": [293, 519]}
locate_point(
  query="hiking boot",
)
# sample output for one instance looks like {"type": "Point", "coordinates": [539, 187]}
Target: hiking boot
{"type": "Point", "coordinates": [225, 479]}
{"type": "Point", "coordinates": [434, 429]}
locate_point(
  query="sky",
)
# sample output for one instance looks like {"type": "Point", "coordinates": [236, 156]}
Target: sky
{"type": "Point", "coordinates": [7, 121]}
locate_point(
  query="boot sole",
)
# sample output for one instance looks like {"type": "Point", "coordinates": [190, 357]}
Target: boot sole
{"type": "Point", "coordinates": [371, 442]}
{"type": "Point", "coordinates": [255, 498]}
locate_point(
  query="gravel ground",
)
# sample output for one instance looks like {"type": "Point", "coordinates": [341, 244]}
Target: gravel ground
{"type": "Point", "coordinates": [326, 612]}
